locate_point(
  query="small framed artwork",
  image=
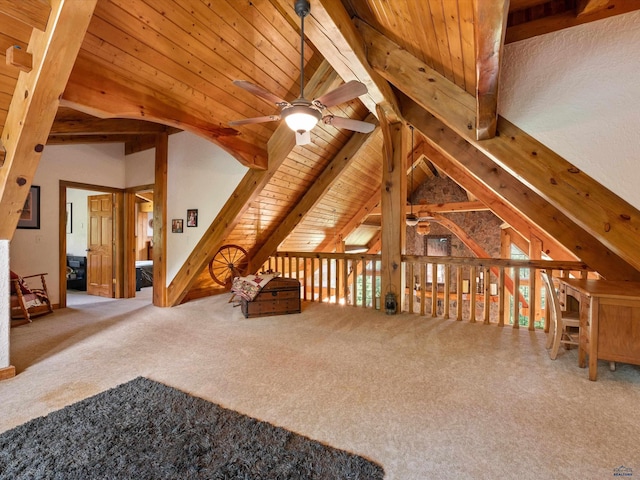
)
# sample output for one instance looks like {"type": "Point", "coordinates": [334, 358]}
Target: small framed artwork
{"type": "Point", "coordinates": [176, 225]}
{"type": "Point", "coordinates": [30, 216]}
{"type": "Point", "coordinates": [69, 218]}
{"type": "Point", "coordinates": [192, 217]}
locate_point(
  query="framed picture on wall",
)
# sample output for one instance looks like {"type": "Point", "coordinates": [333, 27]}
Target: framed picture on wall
{"type": "Point", "coordinates": [437, 246]}
{"type": "Point", "coordinates": [192, 217]}
{"type": "Point", "coordinates": [176, 225]}
{"type": "Point", "coordinates": [30, 216]}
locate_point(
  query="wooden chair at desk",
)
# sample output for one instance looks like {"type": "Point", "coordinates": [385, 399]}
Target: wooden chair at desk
{"type": "Point", "coordinates": [562, 322]}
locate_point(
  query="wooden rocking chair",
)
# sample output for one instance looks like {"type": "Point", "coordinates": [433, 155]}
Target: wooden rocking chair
{"type": "Point", "coordinates": [26, 301]}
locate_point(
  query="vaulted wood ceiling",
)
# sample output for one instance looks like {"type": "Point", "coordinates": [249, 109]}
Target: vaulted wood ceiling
{"type": "Point", "coordinates": [150, 66]}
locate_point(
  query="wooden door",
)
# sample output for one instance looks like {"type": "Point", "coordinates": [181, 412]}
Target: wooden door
{"type": "Point", "coordinates": [100, 246]}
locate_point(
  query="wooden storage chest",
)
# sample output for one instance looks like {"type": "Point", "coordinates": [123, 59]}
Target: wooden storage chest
{"type": "Point", "coordinates": [278, 297]}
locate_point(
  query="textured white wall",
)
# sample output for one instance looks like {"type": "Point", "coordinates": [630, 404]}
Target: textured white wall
{"type": "Point", "coordinates": [578, 92]}
{"type": "Point", "coordinates": [200, 175]}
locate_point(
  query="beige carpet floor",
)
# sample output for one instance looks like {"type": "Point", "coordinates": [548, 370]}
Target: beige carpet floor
{"type": "Point", "coordinates": [425, 397]}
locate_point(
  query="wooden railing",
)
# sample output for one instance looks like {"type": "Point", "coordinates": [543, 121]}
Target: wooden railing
{"type": "Point", "coordinates": [469, 289]}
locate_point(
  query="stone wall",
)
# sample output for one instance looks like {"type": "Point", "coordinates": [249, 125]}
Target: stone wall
{"type": "Point", "coordinates": [483, 227]}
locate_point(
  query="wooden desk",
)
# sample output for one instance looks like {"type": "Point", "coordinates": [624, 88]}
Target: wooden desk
{"type": "Point", "coordinates": [609, 321]}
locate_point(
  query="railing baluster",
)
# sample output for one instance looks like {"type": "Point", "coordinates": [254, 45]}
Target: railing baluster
{"type": "Point", "coordinates": [459, 293]}
{"type": "Point", "coordinates": [487, 295]}
{"type": "Point", "coordinates": [473, 287]}
{"type": "Point", "coordinates": [434, 289]}
{"type": "Point", "coordinates": [516, 297]}
{"type": "Point", "coordinates": [423, 287]}
{"type": "Point", "coordinates": [447, 289]}
{"type": "Point", "coordinates": [533, 299]}
{"type": "Point", "coordinates": [345, 281]}
{"type": "Point", "coordinates": [411, 287]}
{"type": "Point", "coordinates": [501, 297]}
{"type": "Point", "coordinates": [354, 282]}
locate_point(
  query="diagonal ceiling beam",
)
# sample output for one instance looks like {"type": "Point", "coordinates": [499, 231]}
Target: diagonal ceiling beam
{"type": "Point", "coordinates": [334, 35]}
{"type": "Point", "coordinates": [597, 210]}
{"type": "Point", "coordinates": [320, 187]}
{"type": "Point", "coordinates": [35, 102]}
{"type": "Point", "coordinates": [490, 27]}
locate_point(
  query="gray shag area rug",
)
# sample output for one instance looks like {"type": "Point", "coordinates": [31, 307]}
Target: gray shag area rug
{"type": "Point", "coordinates": [146, 430]}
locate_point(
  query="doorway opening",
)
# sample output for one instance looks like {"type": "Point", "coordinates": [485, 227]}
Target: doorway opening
{"type": "Point", "coordinates": [91, 253]}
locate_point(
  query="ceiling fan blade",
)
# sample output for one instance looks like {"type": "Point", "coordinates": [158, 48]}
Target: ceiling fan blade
{"type": "Point", "coordinates": [343, 93]}
{"type": "Point", "coordinates": [349, 124]}
{"type": "Point", "coordinates": [260, 92]}
{"type": "Point", "coordinates": [247, 121]}
{"type": "Point", "coordinates": [303, 138]}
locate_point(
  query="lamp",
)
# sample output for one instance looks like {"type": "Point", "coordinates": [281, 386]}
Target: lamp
{"type": "Point", "coordinates": [411, 219]}
{"type": "Point", "coordinates": [301, 117]}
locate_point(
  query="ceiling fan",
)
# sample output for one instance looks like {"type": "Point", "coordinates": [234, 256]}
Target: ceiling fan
{"type": "Point", "coordinates": [301, 115]}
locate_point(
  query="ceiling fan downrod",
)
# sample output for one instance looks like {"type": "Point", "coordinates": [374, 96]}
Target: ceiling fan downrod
{"type": "Point", "coordinates": [302, 8]}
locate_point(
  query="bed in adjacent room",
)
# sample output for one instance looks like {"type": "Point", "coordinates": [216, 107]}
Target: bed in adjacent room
{"type": "Point", "coordinates": [144, 274]}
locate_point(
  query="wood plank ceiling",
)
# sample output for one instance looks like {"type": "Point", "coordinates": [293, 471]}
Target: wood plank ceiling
{"type": "Point", "coordinates": [168, 65]}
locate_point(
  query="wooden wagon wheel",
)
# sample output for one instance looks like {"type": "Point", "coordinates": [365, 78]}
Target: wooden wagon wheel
{"type": "Point", "coordinates": [230, 261]}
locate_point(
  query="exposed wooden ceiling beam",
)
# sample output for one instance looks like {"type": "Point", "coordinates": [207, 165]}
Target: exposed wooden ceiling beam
{"type": "Point", "coordinates": [115, 96]}
{"type": "Point", "coordinates": [597, 211]}
{"type": "Point", "coordinates": [490, 27]}
{"type": "Point", "coordinates": [393, 62]}
{"type": "Point", "coordinates": [424, 210]}
{"type": "Point", "coordinates": [35, 103]}
{"type": "Point", "coordinates": [34, 13]}
{"type": "Point", "coordinates": [69, 122]}
{"type": "Point", "coordinates": [565, 20]}
{"type": "Point", "coordinates": [513, 198]}
{"type": "Point", "coordinates": [333, 34]}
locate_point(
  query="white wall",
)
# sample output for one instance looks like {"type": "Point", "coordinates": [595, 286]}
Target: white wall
{"type": "Point", "coordinates": [200, 176]}
{"type": "Point", "coordinates": [140, 168]}
{"type": "Point", "coordinates": [35, 251]}
{"type": "Point", "coordinates": [77, 239]}
{"type": "Point", "coordinates": [578, 92]}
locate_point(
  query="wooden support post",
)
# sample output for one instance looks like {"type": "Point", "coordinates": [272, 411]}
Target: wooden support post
{"type": "Point", "coordinates": [516, 297]}
{"type": "Point", "coordinates": [393, 199]}
{"type": "Point", "coordinates": [160, 222]}
{"type": "Point", "coordinates": [501, 297]}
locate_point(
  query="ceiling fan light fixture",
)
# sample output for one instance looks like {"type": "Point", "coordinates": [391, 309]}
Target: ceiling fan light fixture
{"type": "Point", "coordinates": [411, 220]}
{"type": "Point", "coordinates": [301, 118]}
